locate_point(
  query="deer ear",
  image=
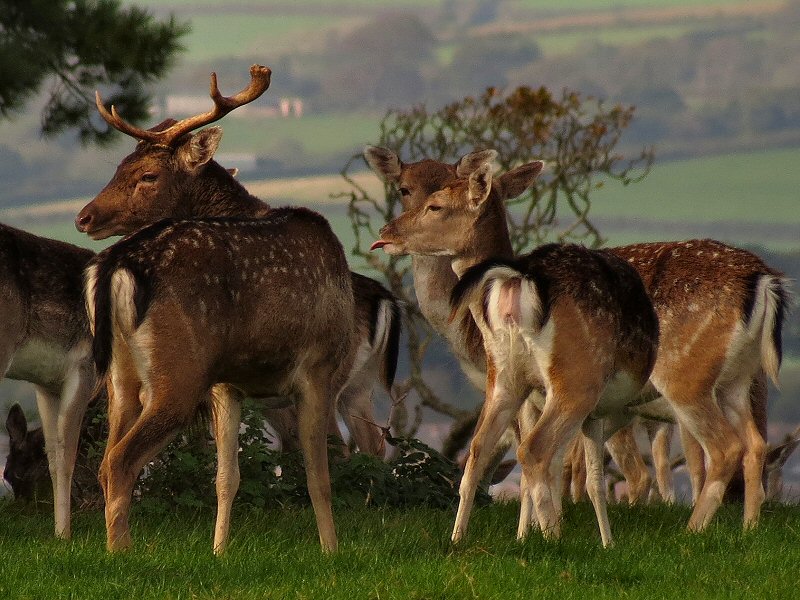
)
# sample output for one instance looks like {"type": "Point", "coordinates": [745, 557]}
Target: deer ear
{"type": "Point", "coordinates": [16, 424]}
{"type": "Point", "coordinates": [472, 161]}
{"type": "Point", "coordinates": [199, 149]}
{"type": "Point", "coordinates": [516, 181]}
{"type": "Point", "coordinates": [480, 184]}
{"type": "Point", "coordinates": [385, 163]}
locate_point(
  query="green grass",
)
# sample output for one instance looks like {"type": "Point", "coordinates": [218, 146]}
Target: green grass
{"type": "Point", "coordinates": [575, 5]}
{"type": "Point", "coordinates": [396, 554]}
{"type": "Point", "coordinates": [315, 135]}
{"type": "Point", "coordinates": [261, 34]}
{"type": "Point", "coordinates": [569, 41]}
{"type": "Point", "coordinates": [687, 198]}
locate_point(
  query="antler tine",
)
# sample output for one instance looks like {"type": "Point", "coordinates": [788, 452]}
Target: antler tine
{"type": "Point", "coordinates": [260, 78]}
{"type": "Point", "coordinates": [118, 123]}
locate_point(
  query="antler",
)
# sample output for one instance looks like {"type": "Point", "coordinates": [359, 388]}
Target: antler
{"type": "Point", "coordinates": [259, 82]}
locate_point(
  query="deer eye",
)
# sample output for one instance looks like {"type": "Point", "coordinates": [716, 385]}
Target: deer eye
{"type": "Point", "coordinates": [434, 207]}
{"type": "Point", "coordinates": [149, 177]}
{"type": "Point", "coordinates": [404, 191]}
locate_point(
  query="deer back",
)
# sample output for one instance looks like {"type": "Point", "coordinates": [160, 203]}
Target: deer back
{"type": "Point", "coordinates": [707, 286]}
{"type": "Point", "coordinates": [588, 296]}
{"type": "Point", "coordinates": [248, 296]}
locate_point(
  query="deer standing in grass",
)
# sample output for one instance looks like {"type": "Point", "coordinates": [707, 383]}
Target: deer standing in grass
{"type": "Point", "coordinates": [574, 324]}
{"type": "Point", "coordinates": [45, 339]}
{"type": "Point", "coordinates": [720, 312]}
{"type": "Point", "coordinates": [172, 174]}
{"type": "Point", "coordinates": [434, 280]}
{"type": "Point", "coordinates": [220, 307]}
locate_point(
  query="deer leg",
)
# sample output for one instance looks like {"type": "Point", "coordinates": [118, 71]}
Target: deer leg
{"type": "Point", "coordinates": [526, 420]}
{"type": "Point", "coordinates": [75, 396]}
{"type": "Point", "coordinates": [167, 410]}
{"type": "Point", "coordinates": [737, 403]}
{"type": "Point", "coordinates": [284, 422]}
{"type": "Point", "coordinates": [546, 444]}
{"type": "Point", "coordinates": [595, 484]}
{"type": "Point", "coordinates": [226, 411]}
{"type": "Point", "coordinates": [625, 452]}
{"type": "Point", "coordinates": [313, 413]}
{"type": "Point", "coordinates": [695, 462]}
{"type": "Point", "coordinates": [660, 435]}
{"type": "Point", "coordinates": [498, 411]}
{"type": "Point", "coordinates": [723, 449]}
{"type": "Point", "coordinates": [124, 408]}
{"type": "Point", "coordinates": [48, 404]}
{"type": "Point", "coordinates": [355, 407]}
{"type": "Point", "coordinates": [577, 470]}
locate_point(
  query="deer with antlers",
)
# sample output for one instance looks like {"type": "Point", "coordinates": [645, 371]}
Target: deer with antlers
{"type": "Point", "coordinates": [720, 311]}
{"type": "Point", "coordinates": [574, 324]}
{"type": "Point", "coordinates": [45, 339]}
{"type": "Point", "coordinates": [172, 174]}
{"type": "Point", "coordinates": [219, 307]}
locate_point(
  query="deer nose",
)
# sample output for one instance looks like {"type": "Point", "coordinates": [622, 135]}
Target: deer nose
{"type": "Point", "coordinates": [83, 220]}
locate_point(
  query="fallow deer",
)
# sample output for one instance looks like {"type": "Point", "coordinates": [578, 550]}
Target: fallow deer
{"type": "Point", "coordinates": [172, 174]}
{"type": "Point", "coordinates": [572, 323]}
{"type": "Point", "coordinates": [26, 464]}
{"type": "Point", "coordinates": [45, 339]}
{"type": "Point", "coordinates": [434, 281]}
{"type": "Point", "coordinates": [720, 310]}
{"type": "Point", "coordinates": [182, 310]}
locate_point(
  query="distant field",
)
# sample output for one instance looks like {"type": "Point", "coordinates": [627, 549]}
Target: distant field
{"type": "Point", "coordinates": [221, 35]}
{"type": "Point", "coordinates": [318, 136]}
{"type": "Point", "coordinates": [615, 5]}
{"type": "Point", "coordinates": [760, 187]}
{"type": "Point", "coordinates": [564, 42]}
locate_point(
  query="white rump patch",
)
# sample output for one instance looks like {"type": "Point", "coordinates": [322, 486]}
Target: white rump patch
{"type": "Point", "coordinates": [513, 301]}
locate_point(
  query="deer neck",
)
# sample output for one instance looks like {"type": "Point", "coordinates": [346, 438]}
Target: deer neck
{"type": "Point", "coordinates": [218, 194]}
{"type": "Point", "coordinates": [433, 282]}
{"type": "Point", "coordinates": [489, 239]}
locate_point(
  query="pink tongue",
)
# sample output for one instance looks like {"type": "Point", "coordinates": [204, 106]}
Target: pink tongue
{"type": "Point", "coordinates": [377, 244]}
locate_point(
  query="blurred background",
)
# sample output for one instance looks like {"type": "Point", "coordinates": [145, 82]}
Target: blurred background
{"type": "Point", "coordinates": [716, 85]}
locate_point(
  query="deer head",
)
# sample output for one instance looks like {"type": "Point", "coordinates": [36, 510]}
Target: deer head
{"type": "Point", "coordinates": [169, 166]}
{"type": "Point", "coordinates": [26, 465]}
{"type": "Point", "coordinates": [446, 223]}
{"type": "Point", "coordinates": [416, 181]}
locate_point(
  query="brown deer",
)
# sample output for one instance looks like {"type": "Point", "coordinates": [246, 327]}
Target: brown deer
{"type": "Point", "coordinates": [26, 464]}
{"type": "Point", "coordinates": [185, 310]}
{"type": "Point", "coordinates": [45, 339]}
{"type": "Point", "coordinates": [172, 174]}
{"type": "Point", "coordinates": [720, 310]}
{"type": "Point", "coordinates": [572, 323]}
{"type": "Point", "coordinates": [433, 283]}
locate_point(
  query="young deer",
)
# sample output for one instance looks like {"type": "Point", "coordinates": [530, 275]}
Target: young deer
{"type": "Point", "coordinates": [572, 323]}
{"type": "Point", "coordinates": [45, 339]}
{"type": "Point", "coordinates": [184, 310]}
{"type": "Point", "coordinates": [172, 174]}
{"type": "Point", "coordinates": [434, 281]}
{"type": "Point", "coordinates": [26, 464]}
{"type": "Point", "coordinates": [720, 311]}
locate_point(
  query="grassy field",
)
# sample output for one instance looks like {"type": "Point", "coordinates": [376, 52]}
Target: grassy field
{"type": "Point", "coordinates": [394, 554]}
{"type": "Point", "coordinates": [317, 136]}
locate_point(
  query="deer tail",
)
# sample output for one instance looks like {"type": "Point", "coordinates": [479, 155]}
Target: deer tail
{"type": "Point", "coordinates": [770, 302]}
{"type": "Point", "coordinates": [115, 305]}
